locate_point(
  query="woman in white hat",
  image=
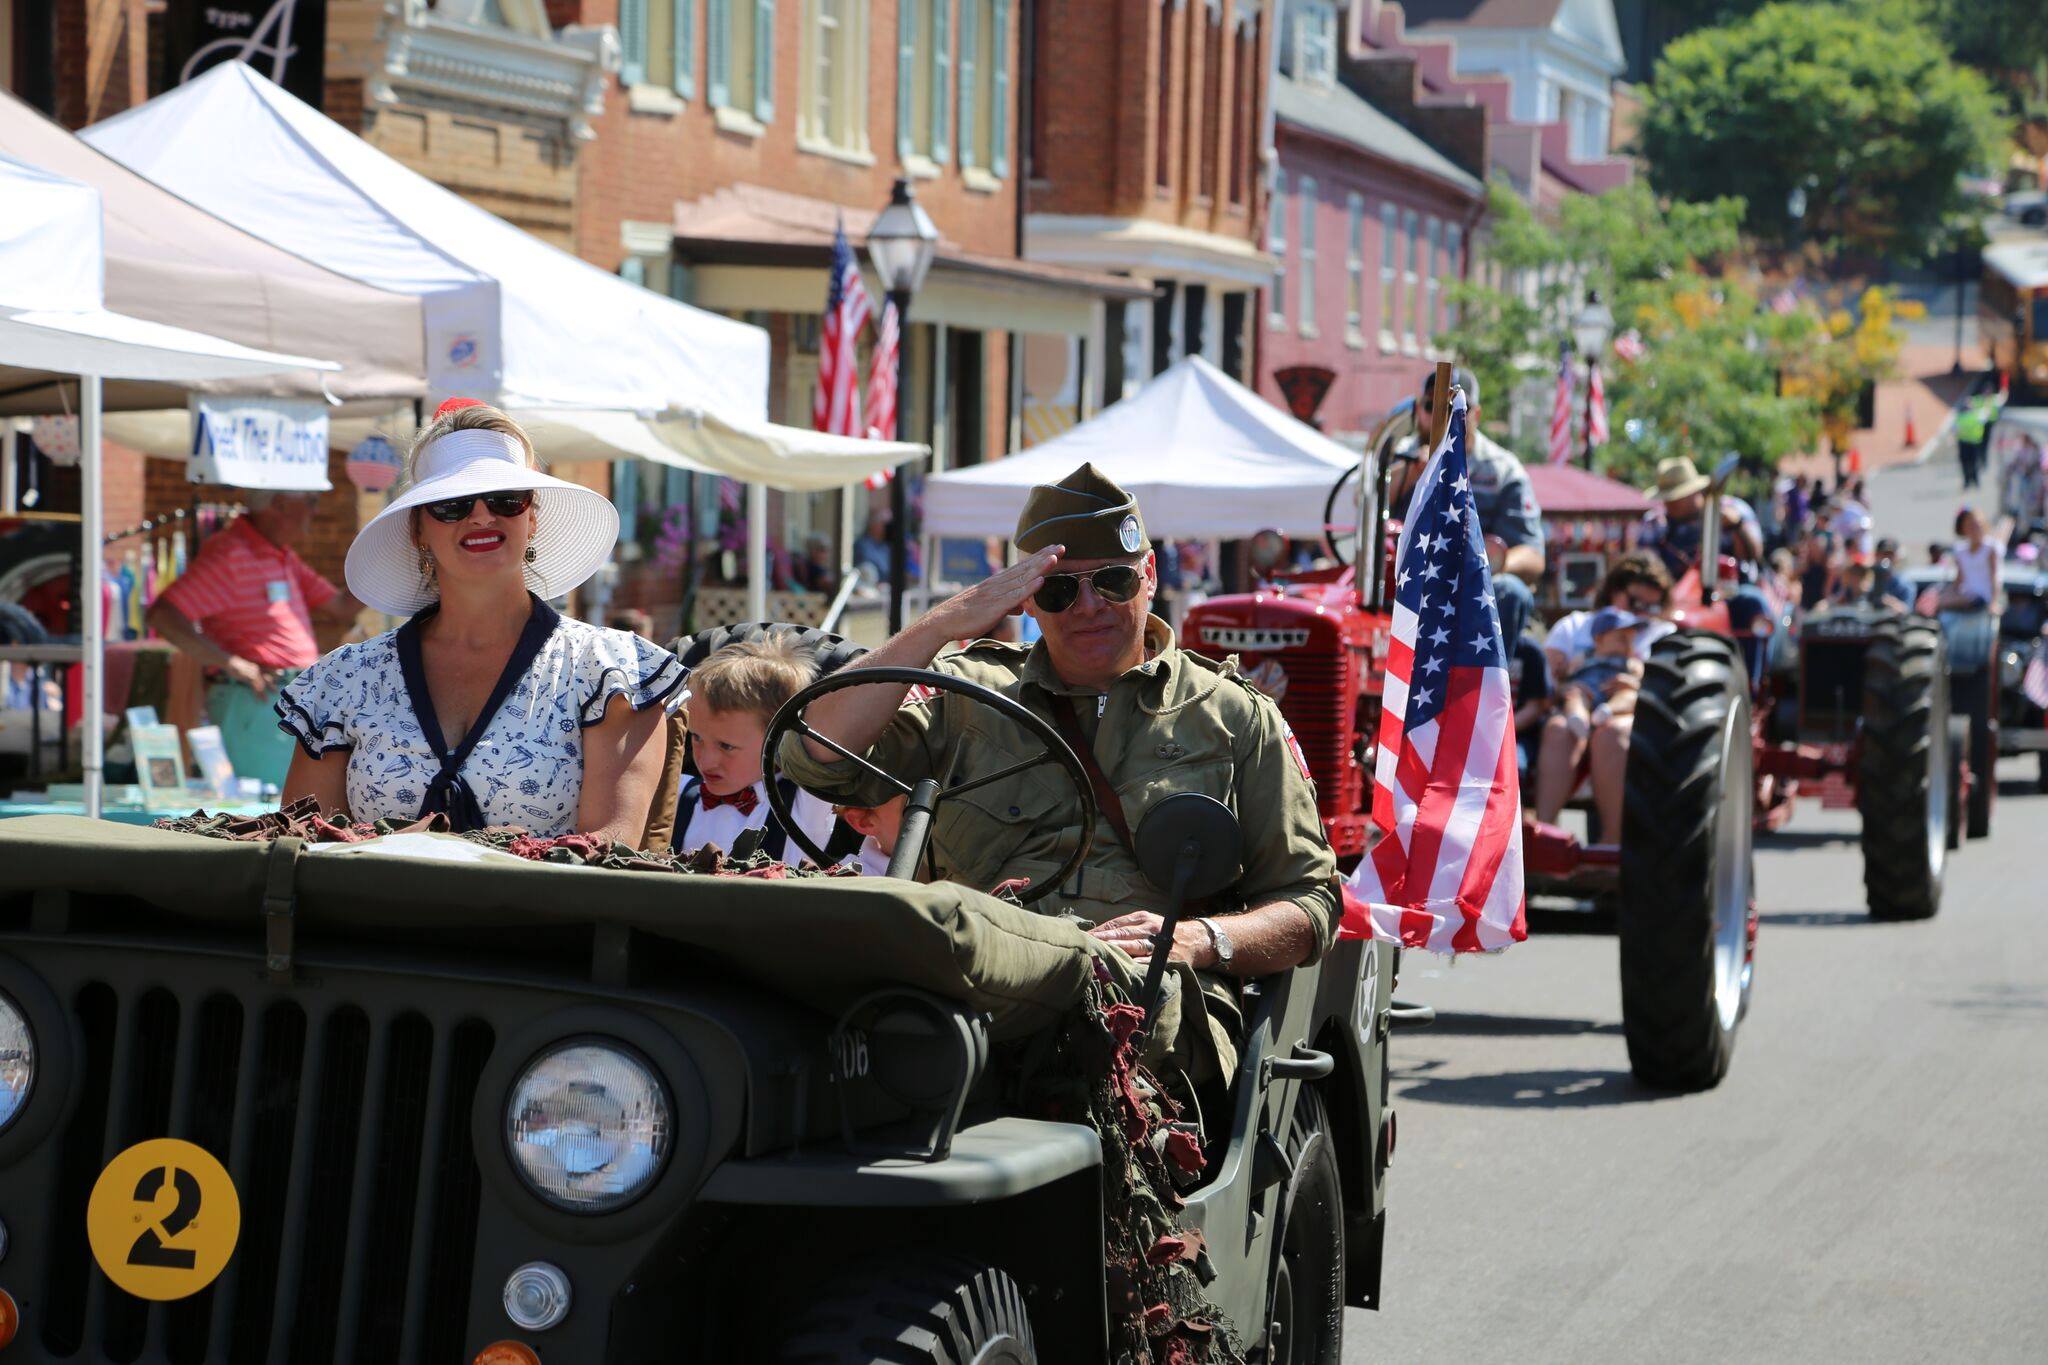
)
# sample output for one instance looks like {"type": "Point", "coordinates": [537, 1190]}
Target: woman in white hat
{"type": "Point", "coordinates": [487, 705]}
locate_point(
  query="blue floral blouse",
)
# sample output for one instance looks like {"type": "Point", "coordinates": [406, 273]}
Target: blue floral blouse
{"type": "Point", "coordinates": [526, 768]}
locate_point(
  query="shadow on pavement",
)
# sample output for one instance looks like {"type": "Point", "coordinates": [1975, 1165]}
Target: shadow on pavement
{"type": "Point", "coordinates": [1531, 1090]}
{"type": "Point", "coordinates": [2018, 787]}
{"type": "Point", "coordinates": [1790, 839]}
{"type": "Point", "coordinates": [1814, 919]}
{"type": "Point", "coordinates": [1514, 1026]}
{"type": "Point", "coordinates": [1550, 921]}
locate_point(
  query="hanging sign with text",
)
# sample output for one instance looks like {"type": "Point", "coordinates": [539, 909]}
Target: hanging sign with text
{"type": "Point", "coordinates": [241, 442]}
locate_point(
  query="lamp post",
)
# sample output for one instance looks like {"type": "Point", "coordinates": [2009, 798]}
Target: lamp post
{"type": "Point", "coordinates": [1591, 330]}
{"type": "Point", "coordinates": [901, 245]}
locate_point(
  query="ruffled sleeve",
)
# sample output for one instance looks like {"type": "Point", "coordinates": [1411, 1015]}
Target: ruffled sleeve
{"type": "Point", "coordinates": [612, 663]}
{"type": "Point", "coordinates": [315, 707]}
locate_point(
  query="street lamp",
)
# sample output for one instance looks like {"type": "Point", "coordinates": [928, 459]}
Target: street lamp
{"type": "Point", "coordinates": [1591, 329]}
{"type": "Point", "coordinates": [901, 245]}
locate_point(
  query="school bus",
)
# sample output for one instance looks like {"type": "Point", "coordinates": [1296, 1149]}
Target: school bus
{"type": "Point", "coordinates": [2012, 313]}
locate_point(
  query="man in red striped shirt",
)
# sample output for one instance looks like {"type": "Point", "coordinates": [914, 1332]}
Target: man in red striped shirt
{"type": "Point", "coordinates": [245, 608]}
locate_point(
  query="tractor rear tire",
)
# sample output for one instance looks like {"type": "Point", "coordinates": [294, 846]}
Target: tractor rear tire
{"type": "Point", "coordinates": [1904, 767]}
{"type": "Point", "coordinates": [1958, 760]}
{"type": "Point", "coordinates": [1686, 908]}
{"type": "Point", "coordinates": [916, 1309]}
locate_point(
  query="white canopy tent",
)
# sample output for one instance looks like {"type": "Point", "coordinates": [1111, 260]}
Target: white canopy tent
{"type": "Point", "coordinates": [1204, 455]}
{"type": "Point", "coordinates": [53, 318]}
{"type": "Point", "coordinates": [594, 365]}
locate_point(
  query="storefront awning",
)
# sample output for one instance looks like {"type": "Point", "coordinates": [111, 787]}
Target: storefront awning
{"type": "Point", "coordinates": [748, 247]}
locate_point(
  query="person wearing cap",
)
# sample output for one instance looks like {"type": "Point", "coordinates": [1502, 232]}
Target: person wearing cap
{"type": "Point", "coordinates": [245, 609]}
{"type": "Point", "coordinates": [1596, 710]}
{"type": "Point", "coordinates": [1153, 719]}
{"type": "Point", "coordinates": [1673, 530]}
{"type": "Point", "coordinates": [487, 706]}
{"type": "Point", "coordinates": [1509, 517]}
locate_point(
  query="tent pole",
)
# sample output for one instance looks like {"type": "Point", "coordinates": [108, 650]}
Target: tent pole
{"type": "Point", "coordinates": [93, 626]}
{"type": "Point", "coordinates": [757, 551]}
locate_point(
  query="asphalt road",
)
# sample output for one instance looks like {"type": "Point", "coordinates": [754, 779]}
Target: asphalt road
{"type": "Point", "coordinates": [1868, 1184]}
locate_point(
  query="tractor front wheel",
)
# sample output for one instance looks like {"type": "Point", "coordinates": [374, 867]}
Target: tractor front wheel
{"type": "Point", "coordinates": [1686, 905]}
{"type": "Point", "coordinates": [1902, 783]}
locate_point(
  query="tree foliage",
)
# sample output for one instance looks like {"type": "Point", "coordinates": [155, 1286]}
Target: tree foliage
{"type": "Point", "coordinates": [1840, 127]}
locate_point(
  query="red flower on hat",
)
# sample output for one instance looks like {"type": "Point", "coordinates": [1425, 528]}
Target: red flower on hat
{"type": "Point", "coordinates": [455, 404]}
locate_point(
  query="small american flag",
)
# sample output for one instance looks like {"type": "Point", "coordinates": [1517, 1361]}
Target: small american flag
{"type": "Point", "coordinates": [2034, 682]}
{"type": "Point", "coordinates": [1446, 872]}
{"type": "Point", "coordinates": [882, 388]}
{"type": "Point", "coordinates": [1596, 406]}
{"type": "Point", "coordinates": [1561, 410]}
{"type": "Point", "coordinates": [835, 407]}
{"type": "Point", "coordinates": [1630, 347]}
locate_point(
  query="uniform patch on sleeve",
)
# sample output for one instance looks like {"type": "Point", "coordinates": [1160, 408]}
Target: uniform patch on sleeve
{"type": "Point", "coordinates": [1294, 747]}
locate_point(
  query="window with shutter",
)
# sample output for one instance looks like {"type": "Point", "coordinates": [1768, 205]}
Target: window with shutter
{"type": "Point", "coordinates": [942, 81]}
{"type": "Point", "coordinates": [970, 87]}
{"type": "Point", "coordinates": [1307, 232]}
{"type": "Point", "coordinates": [718, 52]}
{"type": "Point", "coordinates": [632, 42]}
{"type": "Point", "coordinates": [906, 78]}
{"type": "Point", "coordinates": [1276, 244]}
{"type": "Point", "coordinates": [685, 47]}
{"type": "Point", "coordinates": [999, 85]}
{"type": "Point", "coordinates": [764, 60]}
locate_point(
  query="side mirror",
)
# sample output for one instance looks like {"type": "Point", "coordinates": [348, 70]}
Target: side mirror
{"type": "Point", "coordinates": [1188, 845]}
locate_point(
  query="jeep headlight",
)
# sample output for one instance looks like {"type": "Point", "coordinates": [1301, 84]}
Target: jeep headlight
{"type": "Point", "coordinates": [17, 1061]}
{"type": "Point", "coordinates": [588, 1125]}
{"type": "Point", "coordinates": [2011, 668]}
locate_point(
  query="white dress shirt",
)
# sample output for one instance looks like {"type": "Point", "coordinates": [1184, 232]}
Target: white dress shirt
{"type": "Point", "coordinates": [723, 825]}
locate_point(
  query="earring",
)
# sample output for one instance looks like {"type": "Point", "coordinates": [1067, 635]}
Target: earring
{"type": "Point", "coordinates": [426, 564]}
{"type": "Point", "coordinates": [531, 553]}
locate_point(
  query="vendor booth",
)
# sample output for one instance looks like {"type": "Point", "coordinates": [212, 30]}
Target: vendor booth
{"type": "Point", "coordinates": [1588, 519]}
{"type": "Point", "coordinates": [1204, 455]}
{"type": "Point", "coordinates": [55, 328]}
{"type": "Point", "coordinates": [592, 365]}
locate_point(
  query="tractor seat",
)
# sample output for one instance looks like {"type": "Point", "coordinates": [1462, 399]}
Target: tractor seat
{"type": "Point", "coordinates": [832, 651]}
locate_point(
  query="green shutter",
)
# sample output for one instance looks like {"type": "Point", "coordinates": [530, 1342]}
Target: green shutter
{"type": "Point", "coordinates": [764, 60]}
{"type": "Point", "coordinates": [970, 31]}
{"type": "Point", "coordinates": [999, 111]}
{"type": "Point", "coordinates": [717, 51]}
{"type": "Point", "coordinates": [632, 42]}
{"type": "Point", "coordinates": [686, 46]}
{"type": "Point", "coordinates": [906, 76]}
{"type": "Point", "coordinates": [942, 84]}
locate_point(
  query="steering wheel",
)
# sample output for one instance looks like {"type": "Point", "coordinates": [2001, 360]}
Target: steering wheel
{"type": "Point", "coordinates": [926, 794]}
{"type": "Point", "coordinates": [1335, 537]}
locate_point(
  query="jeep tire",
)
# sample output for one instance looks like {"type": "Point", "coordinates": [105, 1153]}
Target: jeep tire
{"type": "Point", "coordinates": [915, 1309]}
{"type": "Point", "coordinates": [1904, 767]}
{"type": "Point", "coordinates": [1686, 908]}
{"type": "Point", "coordinates": [1307, 1313]}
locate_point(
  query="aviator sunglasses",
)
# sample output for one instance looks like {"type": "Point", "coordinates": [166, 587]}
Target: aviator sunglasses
{"type": "Point", "coordinates": [452, 510]}
{"type": "Point", "coordinates": [1117, 583]}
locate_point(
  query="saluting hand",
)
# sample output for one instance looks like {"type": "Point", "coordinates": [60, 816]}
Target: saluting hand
{"type": "Point", "coordinates": [974, 613]}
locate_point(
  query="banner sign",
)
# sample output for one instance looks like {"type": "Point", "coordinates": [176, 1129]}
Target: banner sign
{"type": "Point", "coordinates": [285, 40]}
{"type": "Point", "coordinates": [278, 443]}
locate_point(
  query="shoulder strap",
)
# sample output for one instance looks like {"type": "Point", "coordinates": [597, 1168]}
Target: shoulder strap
{"type": "Point", "coordinates": [1069, 725]}
{"type": "Point", "coordinates": [686, 812]}
{"type": "Point", "coordinates": [774, 837]}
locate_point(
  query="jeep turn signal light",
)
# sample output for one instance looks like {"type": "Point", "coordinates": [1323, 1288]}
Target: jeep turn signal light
{"type": "Point", "coordinates": [10, 1320]}
{"type": "Point", "coordinates": [506, 1353]}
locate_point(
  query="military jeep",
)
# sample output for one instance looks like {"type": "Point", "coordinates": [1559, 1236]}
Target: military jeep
{"type": "Point", "coordinates": [418, 1100]}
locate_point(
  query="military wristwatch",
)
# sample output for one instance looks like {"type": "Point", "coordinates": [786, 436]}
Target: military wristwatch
{"type": "Point", "coordinates": [1225, 949]}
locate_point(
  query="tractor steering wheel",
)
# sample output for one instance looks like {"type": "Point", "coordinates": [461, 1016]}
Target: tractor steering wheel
{"type": "Point", "coordinates": [1336, 538]}
{"type": "Point", "coordinates": [925, 795]}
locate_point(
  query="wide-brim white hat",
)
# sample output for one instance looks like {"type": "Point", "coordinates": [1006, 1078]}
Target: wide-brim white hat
{"type": "Point", "coordinates": [577, 529]}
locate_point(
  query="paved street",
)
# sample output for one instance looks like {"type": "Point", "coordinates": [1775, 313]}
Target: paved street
{"type": "Point", "coordinates": [1867, 1184]}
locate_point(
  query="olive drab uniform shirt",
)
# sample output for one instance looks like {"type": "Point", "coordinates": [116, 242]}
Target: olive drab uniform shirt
{"type": "Point", "coordinates": [1178, 722]}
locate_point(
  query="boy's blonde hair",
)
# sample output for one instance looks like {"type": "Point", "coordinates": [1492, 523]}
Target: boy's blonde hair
{"type": "Point", "coordinates": [753, 677]}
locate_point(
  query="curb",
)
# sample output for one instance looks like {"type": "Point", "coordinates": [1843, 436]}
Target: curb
{"type": "Point", "coordinates": [1933, 442]}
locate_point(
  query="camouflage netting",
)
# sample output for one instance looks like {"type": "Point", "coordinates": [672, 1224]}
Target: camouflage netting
{"type": "Point", "coordinates": [1084, 1071]}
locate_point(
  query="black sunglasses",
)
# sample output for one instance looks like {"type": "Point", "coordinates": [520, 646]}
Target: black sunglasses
{"type": "Point", "coordinates": [1113, 583]}
{"type": "Point", "coordinates": [452, 510]}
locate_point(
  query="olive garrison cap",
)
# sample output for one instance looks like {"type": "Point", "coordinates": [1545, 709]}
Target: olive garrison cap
{"type": "Point", "coordinates": [1086, 512]}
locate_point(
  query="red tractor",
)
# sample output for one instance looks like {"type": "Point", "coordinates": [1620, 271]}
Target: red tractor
{"type": "Point", "coordinates": [1680, 875]}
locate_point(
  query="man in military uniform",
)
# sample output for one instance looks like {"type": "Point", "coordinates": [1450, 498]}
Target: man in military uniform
{"type": "Point", "coordinates": [1509, 518]}
{"type": "Point", "coordinates": [1155, 719]}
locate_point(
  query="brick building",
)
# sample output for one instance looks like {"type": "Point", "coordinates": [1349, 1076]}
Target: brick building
{"type": "Point", "coordinates": [1371, 224]}
{"type": "Point", "coordinates": [739, 133]}
{"type": "Point", "coordinates": [1145, 155]}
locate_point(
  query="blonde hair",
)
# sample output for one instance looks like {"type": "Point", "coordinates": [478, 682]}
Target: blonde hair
{"type": "Point", "coordinates": [753, 677]}
{"type": "Point", "coordinates": [470, 417]}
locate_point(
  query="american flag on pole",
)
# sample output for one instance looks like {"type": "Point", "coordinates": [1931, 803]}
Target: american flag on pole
{"type": "Point", "coordinates": [1561, 410]}
{"type": "Point", "coordinates": [1596, 406]}
{"type": "Point", "coordinates": [1446, 872]}
{"type": "Point", "coordinates": [835, 407]}
{"type": "Point", "coordinates": [882, 388]}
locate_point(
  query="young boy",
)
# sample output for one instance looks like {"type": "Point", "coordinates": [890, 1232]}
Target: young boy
{"type": "Point", "coordinates": [731, 698]}
{"type": "Point", "coordinates": [1589, 696]}
{"type": "Point", "coordinates": [878, 827]}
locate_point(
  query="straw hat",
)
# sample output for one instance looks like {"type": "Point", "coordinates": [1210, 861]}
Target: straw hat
{"type": "Point", "coordinates": [1677, 477]}
{"type": "Point", "coordinates": [574, 537]}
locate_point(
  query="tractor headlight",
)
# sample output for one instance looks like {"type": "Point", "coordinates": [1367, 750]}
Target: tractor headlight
{"type": "Point", "coordinates": [588, 1125]}
{"type": "Point", "coordinates": [17, 1061]}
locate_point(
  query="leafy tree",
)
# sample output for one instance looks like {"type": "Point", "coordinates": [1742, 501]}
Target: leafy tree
{"type": "Point", "coordinates": [1841, 127]}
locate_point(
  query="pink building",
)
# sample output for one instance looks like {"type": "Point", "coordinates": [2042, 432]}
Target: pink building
{"type": "Point", "coordinates": [1370, 224]}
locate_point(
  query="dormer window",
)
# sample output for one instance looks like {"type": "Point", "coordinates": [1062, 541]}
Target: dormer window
{"type": "Point", "coordinates": [1315, 43]}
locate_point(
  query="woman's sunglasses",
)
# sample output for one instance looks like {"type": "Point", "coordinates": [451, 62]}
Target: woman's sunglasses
{"type": "Point", "coordinates": [452, 510]}
{"type": "Point", "coordinates": [1113, 583]}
